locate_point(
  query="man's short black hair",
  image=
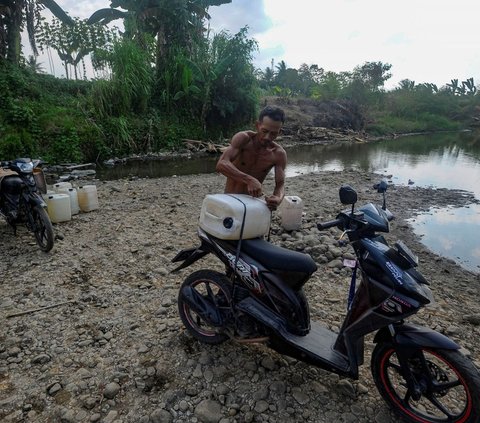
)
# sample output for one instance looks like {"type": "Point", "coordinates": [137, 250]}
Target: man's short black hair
{"type": "Point", "coordinates": [274, 113]}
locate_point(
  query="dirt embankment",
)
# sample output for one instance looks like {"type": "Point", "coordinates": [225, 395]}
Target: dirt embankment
{"type": "Point", "coordinates": [113, 349]}
{"type": "Point", "coordinates": [326, 122]}
{"type": "Point", "coordinates": [307, 121]}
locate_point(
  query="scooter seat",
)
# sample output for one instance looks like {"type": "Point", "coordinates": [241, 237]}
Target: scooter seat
{"type": "Point", "coordinates": [11, 184]}
{"type": "Point", "coordinates": [294, 267]}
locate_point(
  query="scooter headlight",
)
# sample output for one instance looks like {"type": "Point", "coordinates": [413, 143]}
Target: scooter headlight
{"type": "Point", "coordinates": [25, 167]}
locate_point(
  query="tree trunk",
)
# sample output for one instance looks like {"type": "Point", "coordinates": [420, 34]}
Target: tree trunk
{"type": "Point", "coordinates": [161, 51]}
{"type": "Point", "coordinates": [205, 108]}
{"type": "Point", "coordinates": [3, 38]}
{"type": "Point", "coordinates": [14, 26]}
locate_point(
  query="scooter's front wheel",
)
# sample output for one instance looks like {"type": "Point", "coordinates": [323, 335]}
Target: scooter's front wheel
{"type": "Point", "coordinates": [203, 290]}
{"type": "Point", "coordinates": [42, 228]}
{"type": "Point", "coordinates": [447, 387]}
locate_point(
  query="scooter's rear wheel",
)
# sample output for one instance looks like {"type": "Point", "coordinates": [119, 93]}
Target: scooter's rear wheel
{"type": "Point", "coordinates": [448, 385]}
{"type": "Point", "coordinates": [215, 289]}
{"type": "Point", "coordinates": [42, 228]}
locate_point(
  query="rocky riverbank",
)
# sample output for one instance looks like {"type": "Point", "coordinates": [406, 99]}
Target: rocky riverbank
{"type": "Point", "coordinates": [112, 348]}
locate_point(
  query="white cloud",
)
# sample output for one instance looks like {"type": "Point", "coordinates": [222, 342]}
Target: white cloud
{"type": "Point", "coordinates": [426, 41]}
{"type": "Point", "coordinates": [82, 8]}
{"type": "Point", "coordinates": [446, 243]}
{"type": "Point", "coordinates": [450, 217]}
{"type": "Point", "coordinates": [234, 16]}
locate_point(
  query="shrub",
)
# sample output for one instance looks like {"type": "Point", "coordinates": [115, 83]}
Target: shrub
{"type": "Point", "coordinates": [17, 144]}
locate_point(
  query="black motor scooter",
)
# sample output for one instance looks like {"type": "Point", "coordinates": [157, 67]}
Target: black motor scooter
{"type": "Point", "coordinates": [21, 203]}
{"type": "Point", "coordinates": [420, 373]}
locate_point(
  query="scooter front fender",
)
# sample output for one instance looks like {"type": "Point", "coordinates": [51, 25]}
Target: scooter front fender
{"type": "Point", "coordinates": [35, 200]}
{"type": "Point", "coordinates": [413, 336]}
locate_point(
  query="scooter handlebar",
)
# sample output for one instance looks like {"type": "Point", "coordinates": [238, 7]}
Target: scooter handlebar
{"type": "Point", "coordinates": [330, 224]}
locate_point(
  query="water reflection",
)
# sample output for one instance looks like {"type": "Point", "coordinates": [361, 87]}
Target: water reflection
{"type": "Point", "coordinates": [159, 168]}
{"type": "Point", "coordinates": [446, 160]}
{"type": "Point", "coordinates": [452, 233]}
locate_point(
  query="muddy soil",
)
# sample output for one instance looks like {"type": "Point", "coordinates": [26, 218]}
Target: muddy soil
{"type": "Point", "coordinates": [113, 349]}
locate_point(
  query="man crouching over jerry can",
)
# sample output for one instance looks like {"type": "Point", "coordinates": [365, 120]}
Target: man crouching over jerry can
{"type": "Point", "coordinates": [252, 154]}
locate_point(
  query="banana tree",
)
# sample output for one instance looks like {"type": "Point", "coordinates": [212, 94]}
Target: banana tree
{"type": "Point", "coordinates": [453, 86]}
{"type": "Point", "coordinates": [15, 15]}
{"type": "Point", "coordinates": [170, 21]}
{"type": "Point", "coordinates": [432, 87]}
{"type": "Point", "coordinates": [74, 42]}
{"type": "Point", "coordinates": [406, 85]}
{"type": "Point", "coordinates": [469, 86]}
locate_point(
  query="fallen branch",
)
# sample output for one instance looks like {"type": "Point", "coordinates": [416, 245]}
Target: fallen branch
{"type": "Point", "coordinates": [204, 145]}
{"type": "Point", "coordinates": [22, 313]}
{"type": "Point", "coordinates": [80, 166]}
{"type": "Point", "coordinates": [193, 141]}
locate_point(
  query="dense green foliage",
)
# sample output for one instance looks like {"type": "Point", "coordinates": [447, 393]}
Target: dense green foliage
{"type": "Point", "coordinates": [165, 79]}
{"type": "Point", "coordinates": [408, 108]}
{"type": "Point", "coordinates": [41, 115]}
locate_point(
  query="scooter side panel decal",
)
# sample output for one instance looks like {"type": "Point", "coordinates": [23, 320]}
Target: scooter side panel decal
{"type": "Point", "coordinates": [248, 273]}
{"type": "Point", "coordinates": [395, 272]}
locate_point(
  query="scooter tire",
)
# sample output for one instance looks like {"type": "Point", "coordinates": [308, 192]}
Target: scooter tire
{"type": "Point", "coordinates": [43, 229]}
{"type": "Point", "coordinates": [450, 385]}
{"type": "Point", "coordinates": [216, 288]}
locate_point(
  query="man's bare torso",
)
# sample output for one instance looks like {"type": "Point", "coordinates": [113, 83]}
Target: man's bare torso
{"type": "Point", "coordinates": [255, 160]}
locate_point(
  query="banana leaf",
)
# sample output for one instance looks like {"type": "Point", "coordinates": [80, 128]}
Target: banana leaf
{"type": "Point", "coordinates": [57, 11]}
{"type": "Point", "coordinates": [105, 16]}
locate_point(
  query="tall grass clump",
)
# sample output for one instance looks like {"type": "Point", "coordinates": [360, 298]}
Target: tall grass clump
{"type": "Point", "coordinates": [129, 88]}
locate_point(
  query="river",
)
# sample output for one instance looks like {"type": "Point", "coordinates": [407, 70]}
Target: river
{"type": "Point", "coordinates": [448, 160]}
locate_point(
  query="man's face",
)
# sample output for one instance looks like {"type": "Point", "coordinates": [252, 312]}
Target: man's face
{"type": "Point", "coordinates": [268, 129]}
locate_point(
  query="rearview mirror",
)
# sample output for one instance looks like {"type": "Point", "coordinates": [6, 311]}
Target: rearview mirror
{"type": "Point", "coordinates": [381, 186]}
{"type": "Point", "coordinates": [347, 195]}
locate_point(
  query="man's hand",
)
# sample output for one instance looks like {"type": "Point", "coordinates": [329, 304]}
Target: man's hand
{"type": "Point", "coordinates": [254, 187]}
{"type": "Point", "coordinates": [273, 201]}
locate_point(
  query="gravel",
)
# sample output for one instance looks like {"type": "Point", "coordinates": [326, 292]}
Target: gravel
{"type": "Point", "coordinates": [114, 349]}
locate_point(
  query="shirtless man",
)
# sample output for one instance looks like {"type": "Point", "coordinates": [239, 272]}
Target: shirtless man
{"type": "Point", "coordinates": [251, 155]}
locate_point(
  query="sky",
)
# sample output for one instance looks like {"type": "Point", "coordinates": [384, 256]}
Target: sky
{"type": "Point", "coordinates": [424, 40]}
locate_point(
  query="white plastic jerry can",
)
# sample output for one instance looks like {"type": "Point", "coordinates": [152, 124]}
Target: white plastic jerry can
{"type": "Point", "coordinates": [61, 185]}
{"type": "Point", "coordinates": [292, 211]}
{"type": "Point", "coordinates": [223, 215]}
{"type": "Point", "coordinates": [87, 198]}
{"type": "Point", "coordinates": [72, 193]}
{"type": "Point", "coordinates": [58, 208]}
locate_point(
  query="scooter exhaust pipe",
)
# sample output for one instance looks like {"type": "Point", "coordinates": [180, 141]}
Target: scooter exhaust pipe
{"type": "Point", "coordinates": [202, 306]}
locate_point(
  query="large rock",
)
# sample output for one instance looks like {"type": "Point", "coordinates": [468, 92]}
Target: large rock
{"type": "Point", "coordinates": [208, 411]}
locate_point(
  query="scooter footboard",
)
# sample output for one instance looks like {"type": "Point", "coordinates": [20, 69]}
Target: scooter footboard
{"type": "Point", "coordinates": [408, 335]}
{"type": "Point", "coordinates": [262, 313]}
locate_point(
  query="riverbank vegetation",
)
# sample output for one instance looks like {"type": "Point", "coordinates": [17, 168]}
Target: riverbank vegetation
{"type": "Point", "coordinates": [165, 78]}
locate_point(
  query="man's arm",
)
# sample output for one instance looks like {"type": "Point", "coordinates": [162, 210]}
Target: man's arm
{"type": "Point", "coordinates": [274, 200]}
{"type": "Point", "coordinates": [226, 167]}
